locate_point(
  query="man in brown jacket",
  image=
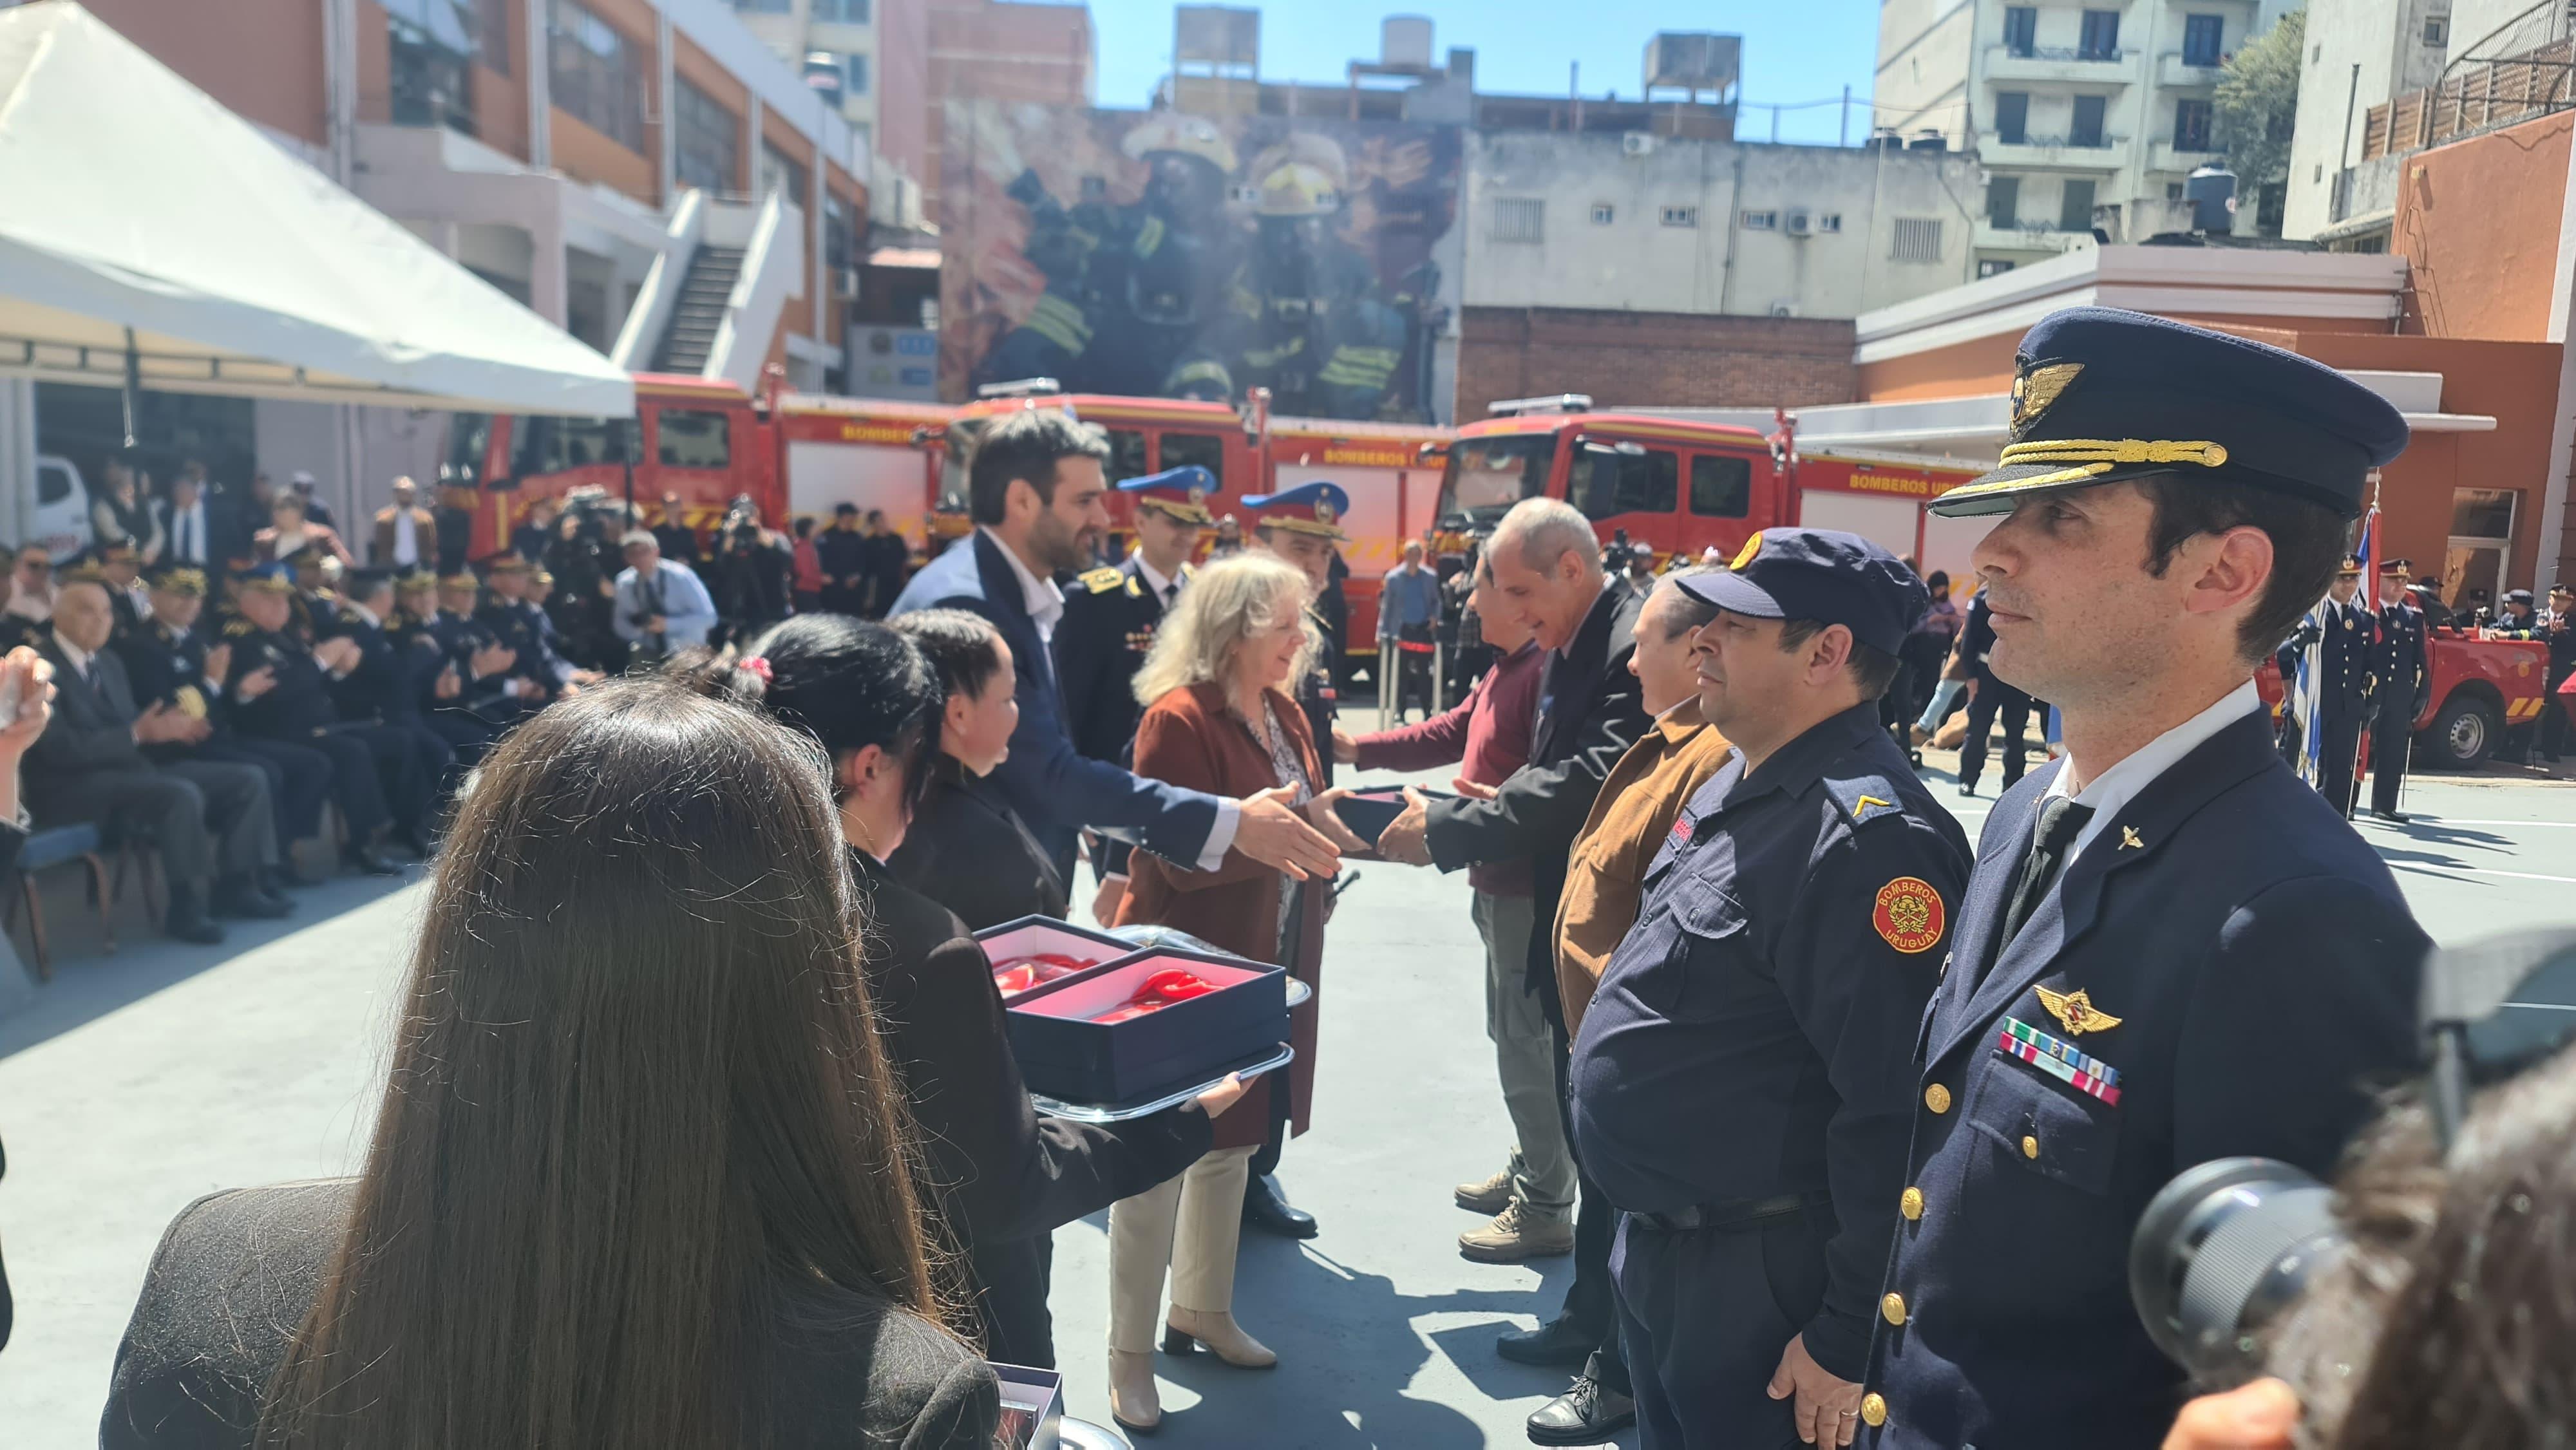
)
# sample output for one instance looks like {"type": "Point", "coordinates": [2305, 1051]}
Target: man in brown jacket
{"type": "Point", "coordinates": [406, 534]}
{"type": "Point", "coordinates": [1604, 881]}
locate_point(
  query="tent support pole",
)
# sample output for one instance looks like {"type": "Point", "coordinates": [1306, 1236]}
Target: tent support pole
{"type": "Point", "coordinates": [133, 385]}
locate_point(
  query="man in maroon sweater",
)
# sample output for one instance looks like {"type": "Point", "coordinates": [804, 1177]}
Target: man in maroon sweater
{"type": "Point", "coordinates": [1488, 735]}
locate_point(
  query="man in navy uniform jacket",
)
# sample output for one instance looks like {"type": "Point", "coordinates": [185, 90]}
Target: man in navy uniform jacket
{"type": "Point", "coordinates": [2171, 950]}
{"type": "Point", "coordinates": [1033, 489]}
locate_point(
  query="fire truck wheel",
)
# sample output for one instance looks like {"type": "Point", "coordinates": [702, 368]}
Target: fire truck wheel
{"type": "Point", "coordinates": [2464, 732]}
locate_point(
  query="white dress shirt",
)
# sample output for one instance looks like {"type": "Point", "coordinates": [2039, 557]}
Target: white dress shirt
{"type": "Point", "coordinates": [187, 529]}
{"type": "Point", "coordinates": [74, 656]}
{"type": "Point", "coordinates": [406, 538]}
{"type": "Point", "coordinates": [1044, 602]}
{"type": "Point", "coordinates": [1155, 581]}
{"type": "Point", "coordinates": [2122, 783]}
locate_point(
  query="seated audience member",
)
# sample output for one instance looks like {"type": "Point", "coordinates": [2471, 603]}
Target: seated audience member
{"type": "Point", "coordinates": [169, 664]}
{"type": "Point", "coordinates": [440, 677]}
{"type": "Point", "coordinates": [967, 849]}
{"type": "Point", "coordinates": [537, 675]}
{"type": "Point", "coordinates": [489, 693]}
{"type": "Point", "coordinates": [1218, 719]}
{"type": "Point", "coordinates": [16, 735]}
{"type": "Point", "coordinates": [120, 568]}
{"type": "Point", "coordinates": [662, 607]}
{"type": "Point", "coordinates": [278, 689]}
{"type": "Point", "coordinates": [1006, 1176]}
{"type": "Point", "coordinates": [211, 819]}
{"type": "Point", "coordinates": [290, 531]}
{"type": "Point", "coordinates": [31, 596]}
{"type": "Point", "coordinates": [387, 684]}
{"type": "Point", "coordinates": [639, 1176]}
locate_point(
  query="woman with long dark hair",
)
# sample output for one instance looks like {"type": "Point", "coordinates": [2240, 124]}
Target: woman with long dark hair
{"type": "Point", "coordinates": [640, 1176]}
{"type": "Point", "coordinates": [1006, 1176]}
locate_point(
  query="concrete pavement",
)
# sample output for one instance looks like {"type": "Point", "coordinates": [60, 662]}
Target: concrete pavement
{"type": "Point", "coordinates": [143, 1080]}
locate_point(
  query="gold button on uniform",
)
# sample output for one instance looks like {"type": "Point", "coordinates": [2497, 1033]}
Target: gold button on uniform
{"type": "Point", "coordinates": [1893, 1308]}
{"type": "Point", "coordinates": [1937, 1098]}
{"type": "Point", "coordinates": [1911, 1205]}
{"type": "Point", "coordinates": [2029, 1147]}
{"type": "Point", "coordinates": [1873, 1409]}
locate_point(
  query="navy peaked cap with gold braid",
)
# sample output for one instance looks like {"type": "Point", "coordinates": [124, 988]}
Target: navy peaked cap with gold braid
{"type": "Point", "coordinates": [2100, 395]}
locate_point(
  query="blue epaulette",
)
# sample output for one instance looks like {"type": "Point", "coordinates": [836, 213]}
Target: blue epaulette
{"type": "Point", "coordinates": [1865, 798]}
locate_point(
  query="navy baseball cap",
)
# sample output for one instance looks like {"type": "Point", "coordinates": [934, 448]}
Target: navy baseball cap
{"type": "Point", "coordinates": [1821, 574]}
{"type": "Point", "coordinates": [2100, 395]}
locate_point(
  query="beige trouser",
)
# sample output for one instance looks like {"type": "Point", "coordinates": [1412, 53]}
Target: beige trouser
{"type": "Point", "coordinates": [1190, 1223]}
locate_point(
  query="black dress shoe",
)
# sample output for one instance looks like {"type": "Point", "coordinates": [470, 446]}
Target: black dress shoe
{"type": "Point", "coordinates": [368, 861]}
{"type": "Point", "coordinates": [1267, 1209]}
{"type": "Point", "coordinates": [278, 880]}
{"type": "Point", "coordinates": [242, 900]}
{"type": "Point", "coordinates": [1587, 1414]}
{"type": "Point", "coordinates": [187, 919]}
{"type": "Point", "coordinates": [2398, 816]}
{"type": "Point", "coordinates": [1560, 1343]}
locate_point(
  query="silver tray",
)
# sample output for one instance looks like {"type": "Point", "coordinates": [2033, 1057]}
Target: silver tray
{"type": "Point", "coordinates": [1125, 1112]}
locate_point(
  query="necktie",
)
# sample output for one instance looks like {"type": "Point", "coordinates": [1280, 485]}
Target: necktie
{"type": "Point", "coordinates": [1171, 592]}
{"type": "Point", "coordinates": [2061, 820]}
{"type": "Point", "coordinates": [186, 554]}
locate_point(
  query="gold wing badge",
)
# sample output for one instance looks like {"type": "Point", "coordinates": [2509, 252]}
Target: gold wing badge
{"type": "Point", "coordinates": [2037, 390]}
{"type": "Point", "coordinates": [2075, 1012]}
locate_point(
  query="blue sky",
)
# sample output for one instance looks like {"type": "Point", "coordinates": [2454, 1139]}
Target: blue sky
{"type": "Point", "coordinates": [1803, 51]}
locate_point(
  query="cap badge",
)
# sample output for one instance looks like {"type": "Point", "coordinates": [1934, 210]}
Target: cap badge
{"type": "Point", "coordinates": [1908, 915]}
{"type": "Point", "coordinates": [1744, 556]}
{"type": "Point", "coordinates": [1323, 511]}
{"type": "Point", "coordinates": [1198, 495]}
{"type": "Point", "coordinates": [2075, 1012]}
{"type": "Point", "coordinates": [2036, 391]}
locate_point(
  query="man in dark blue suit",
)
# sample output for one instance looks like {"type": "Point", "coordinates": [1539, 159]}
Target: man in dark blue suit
{"type": "Point", "coordinates": [1034, 488]}
{"type": "Point", "coordinates": [2171, 950]}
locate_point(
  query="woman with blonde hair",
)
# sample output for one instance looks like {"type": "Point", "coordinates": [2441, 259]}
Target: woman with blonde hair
{"type": "Point", "coordinates": [1218, 719]}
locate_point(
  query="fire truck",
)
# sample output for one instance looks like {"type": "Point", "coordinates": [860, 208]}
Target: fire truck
{"type": "Point", "coordinates": [709, 443]}
{"type": "Point", "coordinates": [1677, 486]}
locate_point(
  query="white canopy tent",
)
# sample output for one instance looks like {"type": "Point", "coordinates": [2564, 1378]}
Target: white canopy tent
{"type": "Point", "coordinates": [149, 235]}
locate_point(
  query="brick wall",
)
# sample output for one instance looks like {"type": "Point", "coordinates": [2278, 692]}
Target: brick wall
{"type": "Point", "coordinates": [1640, 358]}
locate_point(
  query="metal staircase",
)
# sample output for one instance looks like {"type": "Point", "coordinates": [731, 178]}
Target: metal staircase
{"type": "Point", "coordinates": [700, 311]}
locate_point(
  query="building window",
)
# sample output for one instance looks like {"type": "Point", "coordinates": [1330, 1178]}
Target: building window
{"type": "Point", "coordinates": [2086, 130]}
{"type": "Point", "coordinates": [2200, 37]}
{"type": "Point", "coordinates": [2101, 36]}
{"type": "Point", "coordinates": [764, 7]}
{"type": "Point", "coordinates": [2437, 30]}
{"type": "Point", "coordinates": [1918, 239]}
{"type": "Point", "coordinates": [1603, 214]}
{"type": "Point", "coordinates": [432, 42]}
{"type": "Point", "coordinates": [2481, 536]}
{"type": "Point", "coordinates": [1519, 218]}
{"type": "Point", "coordinates": [1680, 216]}
{"type": "Point", "coordinates": [1754, 221]}
{"type": "Point", "coordinates": [2075, 207]}
{"type": "Point", "coordinates": [492, 34]}
{"type": "Point", "coordinates": [1992, 267]}
{"type": "Point", "coordinates": [1831, 221]}
{"type": "Point", "coordinates": [854, 75]}
{"type": "Point", "coordinates": [706, 139]}
{"type": "Point", "coordinates": [597, 75]}
{"type": "Point", "coordinates": [2012, 116]}
{"type": "Point", "coordinates": [1721, 486]}
{"type": "Point", "coordinates": [779, 172]}
{"type": "Point", "coordinates": [2021, 30]}
{"type": "Point", "coordinates": [2003, 202]}
{"type": "Point", "coordinates": [2191, 125]}
{"type": "Point", "coordinates": [842, 12]}
{"type": "Point", "coordinates": [837, 233]}
{"type": "Point", "coordinates": [694, 440]}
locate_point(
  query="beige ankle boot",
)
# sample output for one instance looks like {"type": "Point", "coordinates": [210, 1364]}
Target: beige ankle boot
{"type": "Point", "coordinates": [1134, 1402]}
{"type": "Point", "coordinates": [1187, 1329]}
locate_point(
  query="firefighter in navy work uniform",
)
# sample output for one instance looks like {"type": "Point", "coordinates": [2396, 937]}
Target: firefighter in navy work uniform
{"type": "Point", "coordinates": [1740, 1084]}
{"type": "Point", "coordinates": [279, 690]}
{"type": "Point", "coordinates": [2401, 685]}
{"type": "Point", "coordinates": [2171, 950]}
{"type": "Point", "coordinates": [2346, 634]}
{"type": "Point", "coordinates": [1110, 614]}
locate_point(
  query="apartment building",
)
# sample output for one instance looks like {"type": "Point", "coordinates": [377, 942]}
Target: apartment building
{"type": "Point", "coordinates": [869, 60]}
{"type": "Point", "coordinates": [2088, 117]}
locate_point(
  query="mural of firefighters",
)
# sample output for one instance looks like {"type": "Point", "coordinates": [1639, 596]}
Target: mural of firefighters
{"type": "Point", "coordinates": [1159, 254]}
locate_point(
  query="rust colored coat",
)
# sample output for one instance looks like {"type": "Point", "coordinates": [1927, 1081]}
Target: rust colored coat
{"type": "Point", "coordinates": [1190, 738]}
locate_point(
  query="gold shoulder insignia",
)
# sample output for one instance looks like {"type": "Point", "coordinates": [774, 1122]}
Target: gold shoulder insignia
{"type": "Point", "coordinates": [1865, 802]}
{"type": "Point", "coordinates": [2036, 391]}
{"type": "Point", "coordinates": [2075, 1012]}
{"type": "Point", "coordinates": [237, 628]}
{"type": "Point", "coordinates": [1135, 587]}
{"type": "Point", "coordinates": [1102, 579]}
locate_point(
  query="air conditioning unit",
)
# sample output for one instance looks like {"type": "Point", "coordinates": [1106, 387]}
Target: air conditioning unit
{"type": "Point", "coordinates": [1797, 221]}
{"type": "Point", "coordinates": [1637, 143]}
{"type": "Point", "coordinates": [1784, 309]}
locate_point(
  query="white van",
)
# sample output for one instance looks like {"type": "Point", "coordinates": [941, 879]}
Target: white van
{"type": "Point", "coordinates": [62, 507]}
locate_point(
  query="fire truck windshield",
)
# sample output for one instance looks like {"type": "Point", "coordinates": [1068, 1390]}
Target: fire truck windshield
{"type": "Point", "coordinates": [468, 434]}
{"type": "Point", "coordinates": [1486, 476]}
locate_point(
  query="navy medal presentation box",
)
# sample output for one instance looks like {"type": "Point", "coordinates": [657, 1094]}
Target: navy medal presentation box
{"type": "Point", "coordinates": [1066, 1052]}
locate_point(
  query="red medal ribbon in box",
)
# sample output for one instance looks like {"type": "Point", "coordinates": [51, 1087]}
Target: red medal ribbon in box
{"type": "Point", "coordinates": [1160, 990]}
{"type": "Point", "coordinates": [2061, 1060]}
